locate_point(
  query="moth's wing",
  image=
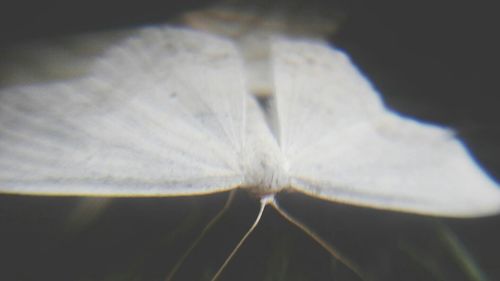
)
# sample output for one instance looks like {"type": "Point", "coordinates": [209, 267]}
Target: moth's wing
{"type": "Point", "coordinates": [343, 145]}
{"type": "Point", "coordinates": [160, 113]}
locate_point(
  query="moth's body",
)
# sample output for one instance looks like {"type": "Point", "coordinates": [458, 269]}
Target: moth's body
{"type": "Point", "coordinates": [264, 166]}
{"type": "Point", "coordinates": [264, 175]}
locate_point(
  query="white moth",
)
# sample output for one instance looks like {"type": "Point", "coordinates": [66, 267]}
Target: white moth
{"type": "Point", "coordinates": [168, 112]}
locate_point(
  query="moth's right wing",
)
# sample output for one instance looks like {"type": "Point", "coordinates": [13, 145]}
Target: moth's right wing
{"type": "Point", "coordinates": [160, 113]}
{"type": "Point", "coordinates": [342, 144]}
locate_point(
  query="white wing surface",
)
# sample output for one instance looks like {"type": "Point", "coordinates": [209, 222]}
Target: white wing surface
{"type": "Point", "coordinates": [160, 113]}
{"type": "Point", "coordinates": [341, 144]}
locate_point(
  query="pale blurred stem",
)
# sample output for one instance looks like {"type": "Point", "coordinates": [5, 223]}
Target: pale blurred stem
{"type": "Point", "coordinates": [329, 248]}
{"type": "Point", "coordinates": [263, 204]}
{"type": "Point", "coordinates": [202, 234]}
{"type": "Point", "coordinates": [461, 255]}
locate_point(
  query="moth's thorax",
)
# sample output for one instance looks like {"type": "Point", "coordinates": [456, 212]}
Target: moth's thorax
{"type": "Point", "coordinates": [264, 169]}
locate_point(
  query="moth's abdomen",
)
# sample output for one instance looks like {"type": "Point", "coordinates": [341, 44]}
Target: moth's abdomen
{"type": "Point", "coordinates": [263, 164]}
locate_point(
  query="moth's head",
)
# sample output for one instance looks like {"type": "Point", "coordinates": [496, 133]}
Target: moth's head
{"type": "Point", "coordinates": [264, 172]}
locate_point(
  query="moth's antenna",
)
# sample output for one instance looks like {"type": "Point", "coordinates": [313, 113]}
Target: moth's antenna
{"type": "Point", "coordinates": [263, 203]}
{"type": "Point", "coordinates": [329, 248]}
{"type": "Point", "coordinates": [214, 220]}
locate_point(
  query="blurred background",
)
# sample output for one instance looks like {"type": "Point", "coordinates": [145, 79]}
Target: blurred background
{"type": "Point", "coordinates": [434, 60]}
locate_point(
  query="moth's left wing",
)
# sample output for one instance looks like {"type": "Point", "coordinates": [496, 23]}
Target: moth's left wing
{"type": "Point", "coordinates": [343, 145]}
{"type": "Point", "coordinates": [159, 113]}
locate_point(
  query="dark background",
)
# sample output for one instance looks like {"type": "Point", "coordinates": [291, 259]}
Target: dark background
{"type": "Point", "coordinates": [435, 60]}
